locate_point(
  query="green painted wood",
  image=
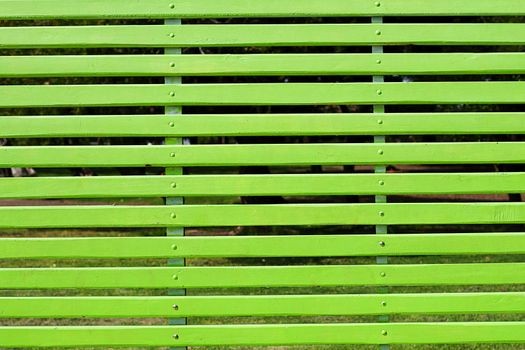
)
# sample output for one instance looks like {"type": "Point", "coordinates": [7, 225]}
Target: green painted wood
{"type": "Point", "coordinates": [267, 246]}
{"type": "Point", "coordinates": [262, 185]}
{"type": "Point", "coordinates": [261, 35]}
{"type": "Point", "coordinates": [262, 215]}
{"type": "Point", "coordinates": [263, 124]}
{"type": "Point", "coordinates": [273, 305]}
{"type": "Point", "coordinates": [263, 276]}
{"type": "Point", "coordinates": [262, 94]}
{"type": "Point", "coordinates": [267, 64]}
{"type": "Point", "coordinates": [51, 9]}
{"type": "Point", "coordinates": [270, 154]}
{"type": "Point", "coordinates": [307, 334]}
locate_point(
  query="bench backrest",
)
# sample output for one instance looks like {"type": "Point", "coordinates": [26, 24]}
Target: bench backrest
{"type": "Point", "coordinates": [123, 80]}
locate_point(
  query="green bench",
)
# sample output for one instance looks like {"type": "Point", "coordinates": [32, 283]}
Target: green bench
{"type": "Point", "coordinates": [376, 290]}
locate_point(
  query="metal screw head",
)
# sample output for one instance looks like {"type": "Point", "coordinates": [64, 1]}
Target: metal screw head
{"type": "Point", "coordinates": [379, 92]}
{"type": "Point", "coordinates": [378, 61]}
{"type": "Point", "coordinates": [172, 93]}
{"type": "Point", "coordinates": [173, 215]}
{"type": "Point", "coordinates": [383, 303]}
{"type": "Point", "coordinates": [378, 4]}
{"type": "Point", "coordinates": [381, 213]}
{"type": "Point", "coordinates": [383, 274]}
{"type": "Point", "coordinates": [172, 35]}
{"type": "Point", "coordinates": [380, 121]}
{"type": "Point", "coordinates": [378, 32]}
{"type": "Point", "coordinates": [380, 152]}
{"type": "Point", "coordinates": [382, 244]}
{"type": "Point", "coordinates": [172, 6]}
{"type": "Point", "coordinates": [172, 154]}
{"type": "Point", "coordinates": [175, 307]}
{"type": "Point", "coordinates": [174, 247]}
{"type": "Point", "coordinates": [172, 64]}
{"type": "Point", "coordinates": [175, 277]}
{"type": "Point", "coordinates": [173, 185]}
{"type": "Point", "coordinates": [172, 124]}
{"type": "Point", "coordinates": [384, 332]}
{"type": "Point", "coordinates": [176, 336]}
{"type": "Point", "coordinates": [381, 183]}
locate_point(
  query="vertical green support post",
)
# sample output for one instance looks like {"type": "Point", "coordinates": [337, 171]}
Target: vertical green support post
{"type": "Point", "coordinates": [174, 111]}
{"type": "Point", "coordinates": [380, 169]}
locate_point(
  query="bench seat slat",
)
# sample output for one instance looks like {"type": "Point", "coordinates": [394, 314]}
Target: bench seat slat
{"type": "Point", "coordinates": [262, 94]}
{"type": "Point", "coordinates": [262, 125]}
{"type": "Point", "coordinates": [265, 246]}
{"type": "Point", "coordinates": [261, 185]}
{"type": "Point", "coordinates": [267, 64]}
{"type": "Point", "coordinates": [307, 334]}
{"type": "Point", "coordinates": [264, 276]}
{"type": "Point", "coordinates": [99, 9]}
{"type": "Point", "coordinates": [263, 154]}
{"type": "Point", "coordinates": [261, 215]}
{"type": "Point", "coordinates": [273, 305]}
{"type": "Point", "coordinates": [263, 35]}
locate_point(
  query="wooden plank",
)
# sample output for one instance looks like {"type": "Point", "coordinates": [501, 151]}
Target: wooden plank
{"type": "Point", "coordinates": [94, 9]}
{"type": "Point", "coordinates": [262, 124]}
{"type": "Point", "coordinates": [262, 185]}
{"type": "Point", "coordinates": [261, 35]}
{"type": "Point", "coordinates": [266, 64]}
{"type": "Point", "coordinates": [268, 154]}
{"type": "Point", "coordinates": [262, 215]}
{"type": "Point", "coordinates": [262, 94]}
{"type": "Point", "coordinates": [305, 334]}
{"type": "Point", "coordinates": [272, 305]}
{"type": "Point", "coordinates": [267, 246]}
{"type": "Point", "coordinates": [263, 276]}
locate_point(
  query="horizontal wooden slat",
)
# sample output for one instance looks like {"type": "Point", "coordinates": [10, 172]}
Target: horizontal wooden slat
{"type": "Point", "coordinates": [261, 185]}
{"type": "Point", "coordinates": [273, 305]}
{"type": "Point", "coordinates": [262, 215]}
{"type": "Point", "coordinates": [307, 334]}
{"type": "Point", "coordinates": [270, 154]}
{"type": "Point", "coordinates": [261, 35]}
{"type": "Point", "coordinates": [262, 94]}
{"type": "Point", "coordinates": [268, 64]}
{"type": "Point", "coordinates": [267, 246]}
{"type": "Point", "coordinates": [51, 9]}
{"type": "Point", "coordinates": [263, 276]}
{"type": "Point", "coordinates": [263, 124]}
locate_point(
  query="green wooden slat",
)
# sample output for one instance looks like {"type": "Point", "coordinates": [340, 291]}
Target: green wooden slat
{"type": "Point", "coordinates": [262, 94]}
{"type": "Point", "coordinates": [261, 35]}
{"type": "Point", "coordinates": [262, 185]}
{"type": "Point", "coordinates": [305, 334]}
{"type": "Point", "coordinates": [270, 154]}
{"type": "Point", "coordinates": [267, 246]}
{"type": "Point", "coordinates": [263, 124]}
{"type": "Point", "coordinates": [268, 64]}
{"type": "Point", "coordinates": [273, 305]}
{"type": "Point", "coordinates": [263, 276]}
{"type": "Point", "coordinates": [262, 215]}
{"type": "Point", "coordinates": [51, 9]}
